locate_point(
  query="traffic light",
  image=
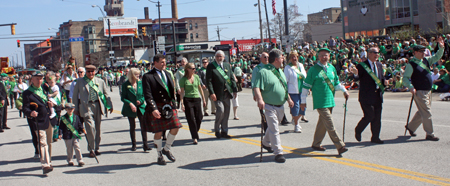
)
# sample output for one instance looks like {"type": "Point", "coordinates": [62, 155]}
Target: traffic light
{"type": "Point", "coordinates": [144, 31]}
{"type": "Point", "coordinates": [48, 42]}
{"type": "Point", "coordinates": [13, 29]}
{"type": "Point", "coordinates": [136, 34]}
{"type": "Point", "coordinates": [18, 43]}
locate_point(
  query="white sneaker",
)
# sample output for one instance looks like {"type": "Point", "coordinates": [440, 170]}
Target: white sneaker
{"type": "Point", "coordinates": [298, 128]}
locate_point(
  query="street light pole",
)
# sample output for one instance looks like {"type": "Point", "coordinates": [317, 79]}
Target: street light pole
{"type": "Point", "coordinates": [268, 25]}
{"type": "Point", "coordinates": [260, 21]}
{"type": "Point", "coordinates": [159, 15]}
{"type": "Point", "coordinates": [109, 32]}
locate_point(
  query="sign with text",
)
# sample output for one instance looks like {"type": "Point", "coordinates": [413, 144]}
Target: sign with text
{"type": "Point", "coordinates": [120, 26]}
{"type": "Point", "coordinates": [75, 39]}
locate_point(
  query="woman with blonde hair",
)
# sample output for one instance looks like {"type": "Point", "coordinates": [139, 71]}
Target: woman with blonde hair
{"type": "Point", "coordinates": [134, 106]}
{"type": "Point", "coordinates": [191, 86]}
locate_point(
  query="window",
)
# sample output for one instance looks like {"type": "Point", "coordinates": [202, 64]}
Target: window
{"type": "Point", "coordinates": [196, 35]}
{"type": "Point", "coordinates": [90, 30]}
{"type": "Point", "coordinates": [192, 36]}
{"type": "Point", "coordinates": [387, 13]}
{"type": "Point", "coordinates": [415, 7]}
{"type": "Point", "coordinates": [190, 26]}
{"type": "Point", "coordinates": [196, 26]}
{"type": "Point", "coordinates": [438, 6]}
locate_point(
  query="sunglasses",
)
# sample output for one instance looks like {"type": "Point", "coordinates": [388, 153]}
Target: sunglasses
{"type": "Point", "coordinates": [376, 52]}
{"type": "Point", "coordinates": [80, 72]}
{"type": "Point", "coordinates": [90, 71]}
{"type": "Point", "coordinates": [205, 62]}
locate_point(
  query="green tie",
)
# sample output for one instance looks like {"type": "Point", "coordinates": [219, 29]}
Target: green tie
{"type": "Point", "coordinates": [164, 81]}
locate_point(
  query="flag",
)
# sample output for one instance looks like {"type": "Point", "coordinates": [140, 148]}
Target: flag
{"type": "Point", "coordinates": [273, 7]}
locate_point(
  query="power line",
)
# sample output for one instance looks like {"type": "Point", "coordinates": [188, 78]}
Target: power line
{"type": "Point", "coordinates": [29, 33]}
{"type": "Point", "coordinates": [232, 22]}
{"type": "Point", "coordinates": [232, 15]}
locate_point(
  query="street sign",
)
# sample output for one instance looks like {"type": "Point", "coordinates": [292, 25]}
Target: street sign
{"type": "Point", "coordinates": [75, 39]}
{"type": "Point", "coordinates": [111, 54]}
{"type": "Point", "coordinates": [161, 40]}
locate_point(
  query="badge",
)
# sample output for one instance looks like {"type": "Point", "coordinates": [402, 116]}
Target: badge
{"type": "Point", "coordinates": [167, 111]}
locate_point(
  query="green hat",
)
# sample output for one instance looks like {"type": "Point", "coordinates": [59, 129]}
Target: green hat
{"type": "Point", "coordinates": [70, 105]}
{"type": "Point", "coordinates": [418, 47]}
{"type": "Point", "coordinates": [35, 73]}
{"type": "Point", "coordinates": [325, 49]}
{"type": "Point", "coordinates": [4, 75]}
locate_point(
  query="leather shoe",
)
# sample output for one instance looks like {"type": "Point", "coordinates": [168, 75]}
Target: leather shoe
{"type": "Point", "coordinates": [146, 148]}
{"type": "Point", "coordinates": [269, 149]}
{"type": "Point", "coordinates": [225, 135]}
{"type": "Point", "coordinates": [377, 141]}
{"type": "Point", "coordinates": [218, 135]}
{"type": "Point", "coordinates": [97, 153]}
{"type": "Point", "coordinates": [410, 131]}
{"type": "Point", "coordinates": [70, 163]}
{"type": "Point", "coordinates": [1, 130]}
{"type": "Point", "coordinates": [342, 150]}
{"type": "Point", "coordinates": [46, 170]}
{"type": "Point", "coordinates": [168, 155]}
{"type": "Point", "coordinates": [358, 136]}
{"type": "Point", "coordinates": [161, 160]}
{"type": "Point", "coordinates": [432, 138]}
{"type": "Point", "coordinates": [6, 127]}
{"type": "Point", "coordinates": [91, 154]}
{"type": "Point", "coordinates": [81, 164]}
{"type": "Point", "coordinates": [280, 158]}
{"type": "Point", "coordinates": [206, 114]}
{"type": "Point", "coordinates": [320, 148]}
{"type": "Point", "coordinates": [133, 148]}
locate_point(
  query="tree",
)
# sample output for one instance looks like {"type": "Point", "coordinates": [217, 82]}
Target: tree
{"type": "Point", "coordinates": [277, 24]}
{"type": "Point", "coordinates": [53, 63]}
{"type": "Point", "coordinates": [98, 58]}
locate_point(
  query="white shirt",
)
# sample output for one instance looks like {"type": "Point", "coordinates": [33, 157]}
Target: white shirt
{"type": "Point", "coordinates": [434, 76]}
{"type": "Point", "coordinates": [66, 78]}
{"type": "Point", "coordinates": [291, 77]}
{"type": "Point", "coordinates": [162, 75]}
{"type": "Point", "coordinates": [22, 86]}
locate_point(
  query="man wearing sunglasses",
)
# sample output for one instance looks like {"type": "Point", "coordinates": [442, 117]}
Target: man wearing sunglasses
{"type": "Point", "coordinates": [372, 83]}
{"type": "Point", "coordinates": [418, 71]}
{"type": "Point", "coordinates": [202, 73]}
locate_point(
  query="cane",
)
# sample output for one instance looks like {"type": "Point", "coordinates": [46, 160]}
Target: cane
{"type": "Point", "coordinates": [37, 130]}
{"type": "Point", "coordinates": [345, 115]}
{"type": "Point", "coordinates": [262, 130]}
{"type": "Point", "coordinates": [409, 114]}
{"type": "Point", "coordinates": [92, 150]}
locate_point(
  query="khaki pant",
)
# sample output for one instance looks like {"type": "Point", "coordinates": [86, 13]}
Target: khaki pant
{"type": "Point", "coordinates": [45, 143]}
{"type": "Point", "coordinates": [273, 115]}
{"type": "Point", "coordinates": [207, 99]}
{"type": "Point", "coordinates": [423, 114]}
{"type": "Point", "coordinates": [71, 145]}
{"type": "Point", "coordinates": [325, 124]}
{"type": "Point", "coordinates": [92, 125]}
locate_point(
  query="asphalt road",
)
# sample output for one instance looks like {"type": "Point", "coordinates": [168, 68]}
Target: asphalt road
{"type": "Point", "coordinates": [402, 160]}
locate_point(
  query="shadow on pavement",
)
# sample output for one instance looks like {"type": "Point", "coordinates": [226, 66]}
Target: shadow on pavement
{"type": "Point", "coordinates": [16, 142]}
{"type": "Point", "coordinates": [22, 172]}
{"type": "Point", "coordinates": [106, 169]}
{"type": "Point", "coordinates": [217, 164]}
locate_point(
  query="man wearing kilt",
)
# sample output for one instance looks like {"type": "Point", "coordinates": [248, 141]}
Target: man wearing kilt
{"type": "Point", "coordinates": [160, 112]}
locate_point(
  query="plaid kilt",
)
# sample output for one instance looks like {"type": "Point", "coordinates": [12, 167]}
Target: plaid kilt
{"type": "Point", "coordinates": [151, 124]}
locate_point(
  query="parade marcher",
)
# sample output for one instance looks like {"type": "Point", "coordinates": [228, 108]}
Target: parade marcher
{"type": "Point", "coordinates": [238, 73]}
{"type": "Point", "coordinates": [93, 97]}
{"type": "Point", "coordinates": [122, 79]}
{"type": "Point", "coordinates": [323, 80]}
{"type": "Point", "coordinates": [81, 71]}
{"type": "Point", "coordinates": [70, 129]}
{"type": "Point", "coordinates": [202, 74]}
{"type": "Point", "coordinates": [178, 75]}
{"type": "Point", "coordinates": [161, 114]}
{"type": "Point", "coordinates": [264, 60]}
{"type": "Point", "coordinates": [190, 86]}
{"type": "Point", "coordinates": [12, 94]}
{"type": "Point", "coordinates": [418, 70]}
{"type": "Point", "coordinates": [4, 109]}
{"type": "Point", "coordinates": [19, 89]}
{"type": "Point", "coordinates": [372, 84]}
{"type": "Point", "coordinates": [271, 93]}
{"type": "Point", "coordinates": [3, 99]}
{"type": "Point", "coordinates": [37, 108]}
{"type": "Point", "coordinates": [295, 75]}
{"type": "Point", "coordinates": [134, 106]}
{"type": "Point", "coordinates": [221, 85]}
{"type": "Point", "coordinates": [68, 77]}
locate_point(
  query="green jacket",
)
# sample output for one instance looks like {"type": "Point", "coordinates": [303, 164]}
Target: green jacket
{"type": "Point", "coordinates": [131, 96]}
{"type": "Point", "coordinates": [215, 82]}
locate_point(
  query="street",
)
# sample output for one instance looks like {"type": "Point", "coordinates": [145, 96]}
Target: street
{"type": "Point", "coordinates": [402, 160]}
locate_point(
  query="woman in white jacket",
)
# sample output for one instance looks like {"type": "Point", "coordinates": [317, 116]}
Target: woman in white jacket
{"type": "Point", "coordinates": [295, 75]}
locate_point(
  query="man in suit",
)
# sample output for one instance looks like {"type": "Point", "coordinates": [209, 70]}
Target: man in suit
{"type": "Point", "coordinates": [37, 109]}
{"type": "Point", "coordinates": [370, 94]}
{"type": "Point", "coordinates": [3, 98]}
{"type": "Point", "coordinates": [93, 97]}
{"type": "Point", "coordinates": [202, 73]}
{"type": "Point", "coordinates": [221, 84]}
{"type": "Point", "coordinates": [159, 94]}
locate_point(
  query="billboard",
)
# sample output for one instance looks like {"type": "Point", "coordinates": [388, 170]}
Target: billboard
{"type": "Point", "coordinates": [246, 45]}
{"type": "Point", "coordinates": [125, 26]}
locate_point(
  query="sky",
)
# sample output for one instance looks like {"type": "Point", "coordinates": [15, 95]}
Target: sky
{"type": "Point", "coordinates": [40, 19]}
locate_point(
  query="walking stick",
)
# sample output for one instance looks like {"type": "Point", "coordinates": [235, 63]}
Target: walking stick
{"type": "Point", "coordinates": [262, 130]}
{"type": "Point", "coordinates": [409, 114]}
{"type": "Point", "coordinates": [345, 115]}
{"type": "Point", "coordinates": [37, 130]}
{"type": "Point", "coordinates": [92, 150]}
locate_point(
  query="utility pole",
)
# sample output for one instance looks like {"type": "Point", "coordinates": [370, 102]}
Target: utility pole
{"type": "Point", "coordinates": [17, 60]}
{"type": "Point", "coordinates": [21, 56]}
{"type": "Point", "coordinates": [268, 25]}
{"type": "Point", "coordinates": [342, 18]}
{"type": "Point", "coordinates": [218, 32]}
{"type": "Point", "coordinates": [286, 20]}
{"type": "Point", "coordinates": [260, 21]}
{"type": "Point", "coordinates": [110, 42]}
{"type": "Point", "coordinates": [159, 18]}
{"type": "Point", "coordinates": [174, 40]}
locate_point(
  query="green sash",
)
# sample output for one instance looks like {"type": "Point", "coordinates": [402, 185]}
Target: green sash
{"type": "Point", "coordinates": [276, 72]}
{"type": "Point", "coordinates": [70, 76]}
{"type": "Point", "coordinates": [229, 84]}
{"type": "Point", "coordinates": [300, 77]}
{"type": "Point", "coordinates": [39, 93]}
{"type": "Point", "coordinates": [100, 94]}
{"type": "Point", "coordinates": [325, 77]}
{"type": "Point", "coordinates": [70, 127]}
{"type": "Point", "coordinates": [374, 77]}
{"type": "Point", "coordinates": [421, 64]}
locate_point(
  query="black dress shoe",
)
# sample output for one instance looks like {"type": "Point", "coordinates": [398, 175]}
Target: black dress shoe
{"type": "Point", "coordinates": [46, 170]}
{"type": "Point", "coordinates": [377, 141]}
{"type": "Point", "coordinates": [161, 160]}
{"type": "Point", "coordinates": [70, 164]}
{"type": "Point", "coordinates": [213, 113]}
{"type": "Point", "coordinates": [218, 135]}
{"type": "Point", "coordinates": [6, 127]}
{"type": "Point", "coordinates": [206, 114]}
{"type": "Point", "coordinates": [91, 154]}
{"type": "Point", "coordinates": [358, 136]}
{"type": "Point", "coordinates": [225, 135]}
{"type": "Point", "coordinates": [168, 155]}
{"type": "Point", "coordinates": [280, 158]}
{"type": "Point", "coordinates": [269, 149]}
{"type": "Point", "coordinates": [342, 150]}
{"type": "Point", "coordinates": [146, 148]}
{"type": "Point", "coordinates": [320, 148]}
{"type": "Point", "coordinates": [97, 153]}
{"type": "Point", "coordinates": [133, 148]}
{"type": "Point", "coordinates": [432, 138]}
{"type": "Point", "coordinates": [410, 131]}
{"type": "Point", "coordinates": [1, 130]}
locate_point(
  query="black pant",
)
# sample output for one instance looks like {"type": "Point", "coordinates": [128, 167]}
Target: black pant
{"type": "Point", "coordinates": [132, 122]}
{"type": "Point", "coordinates": [5, 116]}
{"type": "Point", "coordinates": [194, 115]}
{"type": "Point", "coordinates": [34, 137]}
{"type": "Point", "coordinates": [178, 100]}
{"type": "Point", "coordinates": [12, 98]}
{"type": "Point", "coordinates": [372, 115]}
{"type": "Point", "coordinates": [239, 83]}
